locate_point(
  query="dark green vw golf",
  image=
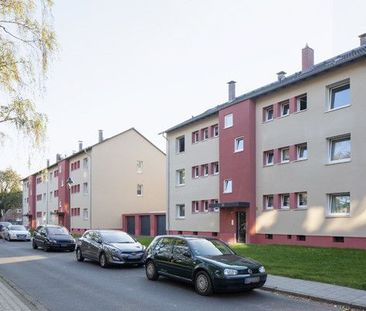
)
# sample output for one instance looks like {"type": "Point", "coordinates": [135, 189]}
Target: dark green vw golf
{"type": "Point", "coordinates": [210, 264]}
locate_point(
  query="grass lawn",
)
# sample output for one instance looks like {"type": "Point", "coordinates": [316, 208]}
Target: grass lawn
{"type": "Point", "coordinates": [346, 267]}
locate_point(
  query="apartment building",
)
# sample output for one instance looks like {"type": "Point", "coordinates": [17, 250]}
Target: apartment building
{"type": "Point", "coordinates": [118, 183]}
{"type": "Point", "coordinates": [281, 164]}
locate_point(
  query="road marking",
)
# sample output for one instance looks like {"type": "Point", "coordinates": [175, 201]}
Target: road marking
{"type": "Point", "coordinates": [7, 260]}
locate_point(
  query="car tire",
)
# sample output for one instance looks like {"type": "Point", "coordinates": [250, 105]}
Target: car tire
{"type": "Point", "coordinates": [79, 255]}
{"type": "Point", "coordinates": [34, 245]}
{"type": "Point", "coordinates": [151, 271]}
{"type": "Point", "coordinates": [203, 284]}
{"type": "Point", "coordinates": [103, 261]}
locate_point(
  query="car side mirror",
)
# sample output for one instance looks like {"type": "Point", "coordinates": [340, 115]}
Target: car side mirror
{"type": "Point", "coordinates": [100, 241]}
{"type": "Point", "coordinates": [187, 254]}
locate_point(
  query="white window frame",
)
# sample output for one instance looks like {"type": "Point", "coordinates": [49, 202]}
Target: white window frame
{"type": "Point", "coordinates": [178, 179]}
{"type": "Point", "coordinates": [331, 197]}
{"type": "Point", "coordinates": [85, 214]}
{"type": "Point", "coordinates": [196, 172]}
{"type": "Point", "coordinates": [282, 200]}
{"type": "Point", "coordinates": [216, 168]}
{"type": "Point", "coordinates": [298, 199]}
{"type": "Point", "coordinates": [196, 137]}
{"type": "Point", "coordinates": [205, 170]}
{"type": "Point", "coordinates": [85, 188]}
{"type": "Point", "coordinates": [228, 120]}
{"type": "Point", "coordinates": [179, 210]}
{"type": "Point", "coordinates": [85, 163]}
{"type": "Point", "coordinates": [205, 206]}
{"type": "Point", "coordinates": [196, 206]}
{"type": "Point", "coordinates": [177, 144]}
{"type": "Point", "coordinates": [334, 87]}
{"type": "Point", "coordinates": [215, 131]}
{"type": "Point", "coordinates": [139, 166]}
{"type": "Point", "coordinates": [298, 102]}
{"type": "Point", "coordinates": [140, 190]}
{"type": "Point", "coordinates": [237, 148]}
{"type": "Point", "coordinates": [298, 148]}
{"type": "Point", "coordinates": [265, 112]}
{"type": "Point", "coordinates": [228, 186]}
{"type": "Point", "coordinates": [205, 133]}
{"type": "Point", "coordinates": [282, 105]}
{"type": "Point", "coordinates": [331, 141]}
{"type": "Point", "coordinates": [266, 200]}
{"type": "Point", "coordinates": [266, 154]}
{"type": "Point", "coordinates": [282, 152]}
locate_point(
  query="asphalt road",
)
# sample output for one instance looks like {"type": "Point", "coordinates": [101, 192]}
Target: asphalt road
{"type": "Point", "coordinates": [60, 283]}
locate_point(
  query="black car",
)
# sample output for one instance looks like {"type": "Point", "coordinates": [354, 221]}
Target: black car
{"type": "Point", "coordinates": [109, 247]}
{"type": "Point", "coordinates": [51, 237]}
{"type": "Point", "coordinates": [208, 263]}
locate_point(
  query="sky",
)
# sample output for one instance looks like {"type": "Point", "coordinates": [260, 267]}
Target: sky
{"type": "Point", "coordinates": [153, 64]}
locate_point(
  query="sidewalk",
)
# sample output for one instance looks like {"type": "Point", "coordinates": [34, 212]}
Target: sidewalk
{"type": "Point", "coordinates": [354, 298]}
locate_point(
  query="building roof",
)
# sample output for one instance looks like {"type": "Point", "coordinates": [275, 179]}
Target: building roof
{"type": "Point", "coordinates": [320, 68]}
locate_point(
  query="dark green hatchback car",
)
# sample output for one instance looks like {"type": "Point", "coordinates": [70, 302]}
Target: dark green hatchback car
{"type": "Point", "coordinates": [208, 263]}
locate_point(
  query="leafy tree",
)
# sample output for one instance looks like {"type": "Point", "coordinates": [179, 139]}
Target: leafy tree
{"type": "Point", "coordinates": [10, 190]}
{"type": "Point", "coordinates": [27, 43]}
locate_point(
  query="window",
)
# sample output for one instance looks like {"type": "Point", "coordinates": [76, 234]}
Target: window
{"type": "Point", "coordinates": [269, 157]}
{"type": "Point", "coordinates": [215, 168]}
{"type": "Point", "coordinates": [195, 207]}
{"type": "Point", "coordinates": [228, 186]}
{"type": "Point", "coordinates": [55, 193]}
{"type": "Point", "coordinates": [285, 201]}
{"type": "Point", "coordinates": [340, 149]}
{"type": "Point", "coordinates": [228, 120]}
{"type": "Point", "coordinates": [215, 130]}
{"type": "Point", "coordinates": [205, 133]}
{"type": "Point", "coordinates": [85, 188]}
{"type": "Point", "coordinates": [140, 190]}
{"type": "Point", "coordinates": [301, 102]}
{"type": "Point", "coordinates": [51, 175]}
{"type": "Point", "coordinates": [268, 114]}
{"type": "Point", "coordinates": [181, 210]}
{"type": "Point", "coordinates": [239, 144]}
{"type": "Point", "coordinates": [285, 108]}
{"type": "Point", "coordinates": [285, 155]}
{"type": "Point", "coordinates": [302, 200]}
{"type": "Point", "coordinates": [180, 145]}
{"type": "Point", "coordinates": [205, 170]}
{"type": "Point", "coordinates": [205, 206]}
{"type": "Point", "coordinates": [340, 96]}
{"type": "Point", "coordinates": [44, 197]}
{"type": "Point", "coordinates": [196, 172]}
{"type": "Point", "coordinates": [339, 204]}
{"type": "Point", "coordinates": [181, 178]}
{"type": "Point", "coordinates": [302, 152]}
{"type": "Point", "coordinates": [195, 137]}
{"type": "Point", "coordinates": [85, 214]}
{"type": "Point", "coordinates": [85, 163]}
{"type": "Point", "coordinates": [39, 197]}
{"type": "Point", "coordinates": [268, 201]}
{"type": "Point", "coordinates": [139, 166]}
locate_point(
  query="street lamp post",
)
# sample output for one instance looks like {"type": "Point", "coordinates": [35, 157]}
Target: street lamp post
{"type": "Point", "coordinates": [69, 183]}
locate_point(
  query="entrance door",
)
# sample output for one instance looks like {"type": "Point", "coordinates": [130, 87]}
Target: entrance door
{"type": "Point", "coordinates": [145, 225]}
{"type": "Point", "coordinates": [161, 225]}
{"type": "Point", "coordinates": [241, 227]}
{"type": "Point", "coordinates": [131, 225]}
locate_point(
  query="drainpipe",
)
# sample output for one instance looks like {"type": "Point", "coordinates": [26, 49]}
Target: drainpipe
{"type": "Point", "coordinates": [90, 187]}
{"type": "Point", "coordinates": [168, 183]}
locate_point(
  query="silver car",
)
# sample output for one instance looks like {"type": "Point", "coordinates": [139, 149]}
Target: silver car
{"type": "Point", "coordinates": [17, 232]}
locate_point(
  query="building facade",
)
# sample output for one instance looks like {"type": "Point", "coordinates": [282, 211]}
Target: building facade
{"type": "Point", "coordinates": [281, 164]}
{"type": "Point", "coordinates": [118, 183]}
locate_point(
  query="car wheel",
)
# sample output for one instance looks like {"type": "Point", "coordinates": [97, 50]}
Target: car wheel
{"type": "Point", "coordinates": [151, 272]}
{"type": "Point", "coordinates": [34, 245]}
{"type": "Point", "coordinates": [203, 284]}
{"type": "Point", "coordinates": [79, 256]}
{"type": "Point", "coordinates": [103, 262]}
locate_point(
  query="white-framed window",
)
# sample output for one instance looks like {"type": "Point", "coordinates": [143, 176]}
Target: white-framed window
{"type": "Point", "coordinates": [85, 163]}
{"type": "Point", "coordinates": [215, 168]}
{"type": "Point", "coordinates": [302, 151]}
{"type": "Point", "coordinates": [85, 188]}
{"type": "Point", "coordinates": [51, 175]}
{"type": "Point", "coordinates": [196, 172]}
{"type": "Point", "coordinates": [139, 166]}
{"type": "Point", "coordinates": [302, 200]}
{"type": "Point", "coordinates": [228, 186]}
{"type": "Point", "coordinates": [85, 214]}
{"type": "Point", "coordinates": [196, 206]}
{"type": "Point", "coordinates": [339, 204]}
{"type": "Point", "coordinates": [285, 155]}
{"type": "Point", "coordinates": [195, 137]}
{"type": "Point", "coordinates": [205, 206]}
{"type": "Point", "coordinates": [269, 157]}
{"type": "Point", "coordinates": [285, 200]}
{"type": "Point", "coordinates": [340, 149]}
{"type": "Point", "coordinates": [140, 189]}
{"type": "Point", "coordinates": [339, 96]}
{"type": "Point", "coordinates": [180, 144]}
{"type": "Point", "coordinates": [205, 133]}
{"type": "Point", "coordinates": [285, 108]}
{"type": "Point", "coordinates": [228, 120]}
{"type": "Point", "coordinates": [215, 130]}
{"type": "Point", "coordinates": [44, 197]}
{"type": "Point", "coordinates": [268, 113]}
{"type": "Point", "coordinates": [216, 208]}
{"type": "Point", "coordinates": [181, 210]}
{"type": "Point", "coordinates": [268, 201]}
{"type": "Point", "coordinates": [205, 169]}
{"type": "Point", "coordinates": [181, 177]}
{"type": "Point", "coordinates": [239, 144]}
{"type": "Point", "coordinates": [301, 102]}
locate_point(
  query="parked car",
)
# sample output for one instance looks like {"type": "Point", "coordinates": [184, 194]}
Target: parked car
{"type": "Point", "coordinates": [51, 237]}
{"type": "Point", "coordinates": [16, 232]}
{"type": "Point", "coordinates": [210, 264]}
{"type": "Point", "coordinates": [109, 247]}
{"type": "Point", "coordinates": [3, 226]}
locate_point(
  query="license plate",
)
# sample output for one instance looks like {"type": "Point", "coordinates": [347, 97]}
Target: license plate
{"type": "Point", "coordinates": [134, 256]}
{"type": "Point", "coordinates": [254, 279]}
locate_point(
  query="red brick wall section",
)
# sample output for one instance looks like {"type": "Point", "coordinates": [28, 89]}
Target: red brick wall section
{"type": "Point", "coordinates": [63, 193]}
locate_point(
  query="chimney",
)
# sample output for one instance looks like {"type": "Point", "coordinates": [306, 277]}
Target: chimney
{"type": "Point", "coordinates": [58, 157]}
{"type": "Point", "coordinates": [80, 145]}
{"type": "Point", "coordinates": [48, 162]}
{"type": "Point", "coordinates": [231, 90]}
{"type": "Point", "coordinates": [281, 75]}
{"type": "Point", "coordinates": [100, 136]}
{"type": "Point", "coordinates": [307, 57]}
{"type": "Point", "coordinates": [362, 39]}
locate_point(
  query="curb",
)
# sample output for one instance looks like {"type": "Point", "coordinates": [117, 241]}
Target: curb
{"type": "Point", "coordinates": [320, 299]}
{"type": "Point", "coordinates": [32, 303]}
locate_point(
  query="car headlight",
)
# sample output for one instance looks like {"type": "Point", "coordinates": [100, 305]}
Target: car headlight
{"type": "Point", "coordinates": [52, 241]}
{"type": "Point", "coordinates": [262, 269]}
{"type": "Point", "coordinates": [230, 272]}
{"type": "Point", "coordinates": [114, 251]}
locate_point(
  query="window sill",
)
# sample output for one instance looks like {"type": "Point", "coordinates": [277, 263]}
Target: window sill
{"type": "Point", "coordinates": [299, 111]}
{"type": "Point", "coordinates": [338, 162]}
{"type": "Point", "coordinates": [227, 192]}
{"type": "Point", "coordinates": [178, 186]}
{"type": "Point", "coordinates": [215, 174]}
{"type": "Point", "coordinates": [284, 116]}
{"type": "Point", "coordinates": [267, 121]}
{"type": "Point", "coordinates": [338, 108]}
{"type": "Point", "coordinates": [178, 153]}
{"type": "Point", "coordinates": [227, 127]}
{"type": "Point", "coordinates": [338, 216]}
{"type": "Point", "coordinates": [180, 218]}
{"type": "Point", "coordinates": [268, 165]}
{"type": "Point", "coordinates": [300, 208]}
{"type": "Point", "coordinates": [284, 162]}
{"type": "Point", "coordinates": [300, 160]}
{"type": "Point", "coordinates": [237, 151]}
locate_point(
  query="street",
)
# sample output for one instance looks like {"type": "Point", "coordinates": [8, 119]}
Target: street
{"type": "Point", "coordinates": [59, 282]}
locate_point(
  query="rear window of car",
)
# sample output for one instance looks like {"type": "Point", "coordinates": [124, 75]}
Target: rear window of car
{"type": "Point", "coordinates": [117, 237]}
{"type": "Point", "coordinates": [17, 228]}
{"type": "Point", "coordinates": [57, 230]}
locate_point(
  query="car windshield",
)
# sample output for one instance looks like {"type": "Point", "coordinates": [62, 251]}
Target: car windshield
{"type": "Point", "coordinates": [17, 228]}
{"type": "Point", "coordinates": [203, 247]}
{"type": "Point", "coordinates": [117, 237]}
{"type": "Point", "coordinates": [57, 231]}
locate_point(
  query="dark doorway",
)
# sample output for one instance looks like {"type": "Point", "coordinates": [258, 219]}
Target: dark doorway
{"type": "Point", "coordinates": [145, 225]}
{"type": "Point", "coordinates": [241, 227]}
{"type": "Point", "coordinates": [131, 225]}
{"type": "Point", "coordinates": [161, 227]}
